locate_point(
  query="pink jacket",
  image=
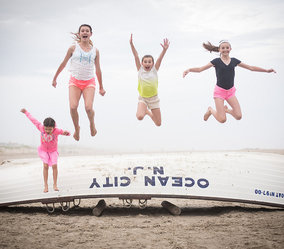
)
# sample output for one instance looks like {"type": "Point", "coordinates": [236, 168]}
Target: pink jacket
{"type": "Point", "coordinates": [48, 142]}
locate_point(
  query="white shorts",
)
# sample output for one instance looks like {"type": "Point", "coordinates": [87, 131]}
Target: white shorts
{"type": "Point", "coordinates": [151, 103]}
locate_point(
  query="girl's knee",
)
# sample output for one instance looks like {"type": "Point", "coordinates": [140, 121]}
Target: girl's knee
{"type": "Point", "coordinates": [238, 116]}
{"type": "Point", "coordinates": [222, 119]}
{"type": "Point", "coordinates": [89, 109]}
{"type": "Point", "coordinates": [139, 116]}
{"type": "Point", "coordinates": [158, 123]}
{"type": "Point", "coordinates": [73, 107]}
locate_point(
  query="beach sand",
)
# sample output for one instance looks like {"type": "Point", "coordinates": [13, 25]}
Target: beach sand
{"type": "Point", "coordinates": [202, 224]}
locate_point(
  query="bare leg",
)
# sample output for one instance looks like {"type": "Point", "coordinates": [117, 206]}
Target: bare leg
{"type": "Point", "coordinates": [219, 114]}
{"type": "Point", "coordinates": [156, 116]}
{"type": "Point", "coordinates": [236, 109]}
{"type": "Point", "coordinates": [55, 174]}
{"type": "Point", "coordinates": [88, 95]}
{"type": "Point", "coordinates": [45, 177]}
{"type": "Point", "coordinates": [74, 97]}
{"type": "Point", "coordinates": [142, 111]}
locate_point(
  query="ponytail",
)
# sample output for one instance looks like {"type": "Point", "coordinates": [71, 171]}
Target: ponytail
{"type": "Point", "coordinates": [210, 47]}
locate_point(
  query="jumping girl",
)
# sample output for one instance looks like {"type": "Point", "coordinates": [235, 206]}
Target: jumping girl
{"type": "Point", "coordinates": [225, 73]}
{"type": "Point", "coordinates": [148, 101]}
{"type": "Point", "coordinates": [47, 151]}
{"type": "Point", "coordinates": [84, 58]}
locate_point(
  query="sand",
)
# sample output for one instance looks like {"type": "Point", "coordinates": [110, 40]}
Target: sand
{"type": "Point", "coordinates": [202, 224]}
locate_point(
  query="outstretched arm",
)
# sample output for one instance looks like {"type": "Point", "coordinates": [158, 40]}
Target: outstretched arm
{"type": "Point", "coordinates": [38, 125]}
{"type": "Point", "coordinates": [63, 64]}
{"type": "Point", "coordinates": [66, 133]}
{"type": "Point", "coordinates": [58, 131]}
{"type": "Point", "coordinates": [256, 69]}
{"type": "Point", "coordinates": [136, 57]}
{"type": "Point", "coordinates": [99, 73]}
{"type": "Point", "coordinates": [197, 69]}
{"type": "Point", "coordinates": [165, 48]}
{"type": "Point", "coordinates": [62, 132]}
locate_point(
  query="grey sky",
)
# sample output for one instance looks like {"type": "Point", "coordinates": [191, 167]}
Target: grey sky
{"type": "Point", "coordinates": [36, 35]}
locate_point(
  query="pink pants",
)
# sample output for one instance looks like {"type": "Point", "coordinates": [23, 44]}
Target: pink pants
{"type": "Point", "coordinates": [222, 93]}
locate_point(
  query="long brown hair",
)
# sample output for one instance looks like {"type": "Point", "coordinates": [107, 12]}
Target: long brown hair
{"type": "Point", "coordinates": [76, 36]}
{"type": "Point", "coordinates": [210, 47]}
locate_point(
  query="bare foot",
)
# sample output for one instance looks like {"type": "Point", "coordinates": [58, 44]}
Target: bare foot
{"type": "Point", "coordinates": [149, 113]}
{"type": "Point", "coordinates": [226, 109]}
{"type": "Point", "coordinates": [93, 130]}
{"type": "Point", "coordinates": [207, 114]}
{"type": "Point", "coordinates": [45, 189]}
{"type": "Point", "coordinates": [76, 134]}
{"type": "Point", "coordinates": [55, 188]}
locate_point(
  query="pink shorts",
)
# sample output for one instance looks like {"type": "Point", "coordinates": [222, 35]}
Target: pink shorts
{"type": "Point", "coordinates": [222, 93]}
{"type": "Point", "coordinates": [49, 158]}
{"type": "Point", "coordinates": [82, 84]}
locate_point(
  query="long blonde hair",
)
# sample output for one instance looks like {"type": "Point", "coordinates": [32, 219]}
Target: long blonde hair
{"type": "Point", "coordinates": [76, 36]}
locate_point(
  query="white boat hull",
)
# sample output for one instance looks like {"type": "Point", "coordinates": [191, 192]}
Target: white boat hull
{"type": "Point", "coordinates": [227, 176]}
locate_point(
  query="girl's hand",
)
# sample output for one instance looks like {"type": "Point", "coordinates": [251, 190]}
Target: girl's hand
{"type": "Point", "coordinates": [54, 83]}
{"type": "Point", "coordinates": [102, 91]}
{"type": "Point", "coordinates": [166, 44]}
{"type": "Point", "coordinates": [23, 110]}
{"type": "Point", "coordinates": [131, 41]}
{"type": "Point", "coordinates": [271, 71]}
{"type": "Point", "coordinates": [185, 72]}
{"type": "Point", "coordinates": [66, 133]}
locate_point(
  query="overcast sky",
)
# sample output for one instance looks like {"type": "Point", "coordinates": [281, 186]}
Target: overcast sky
{"type": "Point", "coordinates": [35, 36]}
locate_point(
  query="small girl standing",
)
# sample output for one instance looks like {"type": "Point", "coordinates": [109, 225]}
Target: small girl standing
{"type": "Point", "coordinates": [224, 89]}
{"type": "Point", "coordinates": [148, 101]}
{"type": "Point", "coordinates": [84, 59]}
{"type": "Point", "coordinates": [47, 151]}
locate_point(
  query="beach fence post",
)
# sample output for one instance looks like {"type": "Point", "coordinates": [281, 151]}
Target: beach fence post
{"type": "Point", "coordinates": [99, 208]}
{"type": "Point", "coordinates": [173, 209]}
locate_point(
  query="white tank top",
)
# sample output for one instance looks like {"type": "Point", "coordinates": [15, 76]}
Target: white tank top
{"type": "Point", "coordinates": [82, 64]}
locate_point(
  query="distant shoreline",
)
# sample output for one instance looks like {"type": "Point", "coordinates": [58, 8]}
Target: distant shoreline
{"type": "Point", "coordinates": [14, 151]}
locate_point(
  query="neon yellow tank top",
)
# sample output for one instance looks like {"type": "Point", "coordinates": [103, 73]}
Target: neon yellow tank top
{"type": "Point", "coordinates": [147, 82]}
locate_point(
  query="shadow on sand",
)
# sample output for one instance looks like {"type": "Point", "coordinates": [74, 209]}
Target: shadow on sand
{"type": "Point", "coordinates": [113, 211]}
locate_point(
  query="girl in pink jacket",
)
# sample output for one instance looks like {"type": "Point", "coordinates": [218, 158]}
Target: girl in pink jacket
{"type": "Point", "coordinates": [47, 151]}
